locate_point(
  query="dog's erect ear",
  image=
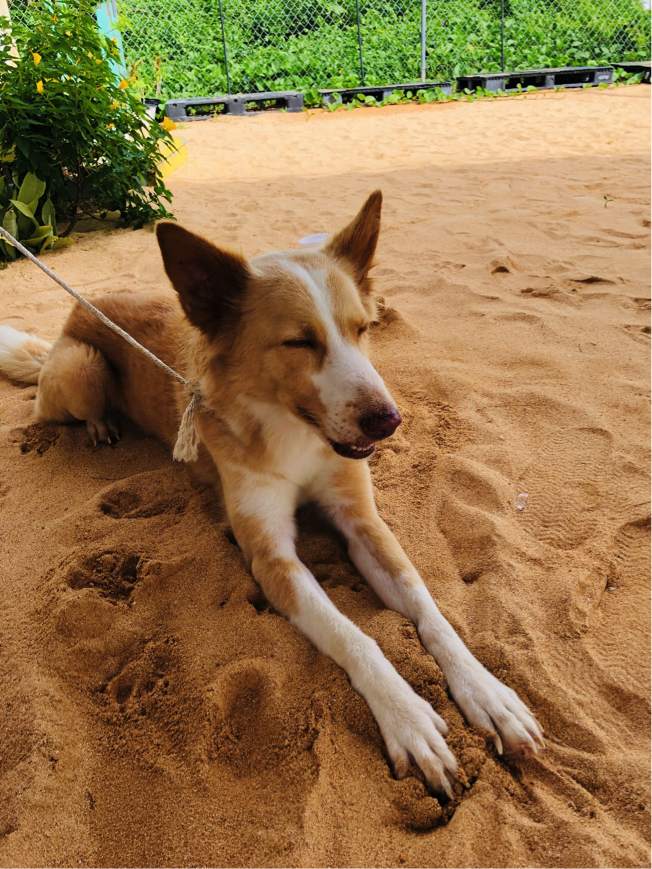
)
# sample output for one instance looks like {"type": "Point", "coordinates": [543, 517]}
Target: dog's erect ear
{"type": "Point", "coordinates": [356, 243]}
{"type": "Point", "coordinates": [210, 282]}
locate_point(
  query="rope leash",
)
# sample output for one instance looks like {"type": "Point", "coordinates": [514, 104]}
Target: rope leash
{"type": "Point", "coordinates": [186, 448]}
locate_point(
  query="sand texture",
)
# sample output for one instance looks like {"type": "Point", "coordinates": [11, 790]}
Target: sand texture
{"type": "Point", "coordinates": [157, 712]}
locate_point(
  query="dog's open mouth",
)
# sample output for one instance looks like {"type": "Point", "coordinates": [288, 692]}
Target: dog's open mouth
{"type": "Point", "coordinates": [360, 449]}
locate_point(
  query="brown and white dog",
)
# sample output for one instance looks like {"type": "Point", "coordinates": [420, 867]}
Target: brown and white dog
{"type": "Point", "coordinates": [292, 407]}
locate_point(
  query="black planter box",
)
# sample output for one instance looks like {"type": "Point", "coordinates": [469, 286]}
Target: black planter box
{"type": "Point", "coordinates": [203, 108]}
{"type": "Point", "coordinates": [380, 92]}
{"type": "Point", "coordinates": [567, 76]}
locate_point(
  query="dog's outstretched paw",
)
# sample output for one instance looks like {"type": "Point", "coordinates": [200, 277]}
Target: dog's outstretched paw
{"type": "Point", "coordinates": [414, 733]}
{"type": "Point", "coordinates": [487, 703]}
{"type": "Point", "coordinates": [102, 431]}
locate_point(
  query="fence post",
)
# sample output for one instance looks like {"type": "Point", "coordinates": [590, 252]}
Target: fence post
{"type": "Point", "coordinates": [226, 57]}
{"type": "Point", "coordinates": [502, 35]}
{"type": "Point", "coordinates": [357, 15]}
{"type": "Point", "coordinates": [423, 40]}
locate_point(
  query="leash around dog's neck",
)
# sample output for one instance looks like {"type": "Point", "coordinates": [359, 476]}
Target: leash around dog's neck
{"type": "Point", "coordinates": [186, 448]}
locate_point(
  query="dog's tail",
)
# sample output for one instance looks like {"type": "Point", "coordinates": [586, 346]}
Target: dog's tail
{"type": "Point", "coordinates": [21, 355]}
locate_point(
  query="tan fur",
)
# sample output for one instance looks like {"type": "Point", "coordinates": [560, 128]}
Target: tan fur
{"type": "Point", "coordinates": [355, 245]}
{"type": "Point", "coordinates": [290, 401]}
{"type": "Point", "coordinates": [75, 383]}
{"type": "Point", "coordinates": [274, 572]}
{"type": "Point", "coordinates": [147, 394]}
{"type": "Point", "coordinates": [351, 485]}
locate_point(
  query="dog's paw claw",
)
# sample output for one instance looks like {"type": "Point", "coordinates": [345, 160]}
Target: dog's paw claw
{"type": "Point", "coordinates": [412, 731]}
{"type": "Point", "coordinates": [489, 704]}
{"type": "Point", "coordinates": [102, 431]}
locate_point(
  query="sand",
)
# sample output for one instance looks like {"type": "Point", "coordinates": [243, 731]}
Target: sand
{"type": "Point", "coordinates": [156, 711]}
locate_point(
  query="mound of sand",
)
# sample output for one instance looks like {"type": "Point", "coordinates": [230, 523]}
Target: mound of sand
{"type": "Point", "coordinates": [156, 711]}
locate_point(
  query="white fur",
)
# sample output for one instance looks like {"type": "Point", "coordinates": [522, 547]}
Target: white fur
{"type": "Point", "coordinates": [21, 355]}
{"type": "Point", "coordinates": [292, 447]}
{"type": "Point", "coordinates": [262, 505]}
{"type": "Point", "coordinates": [485, 701]}
{"type": "Point", "coordinates": [347, 374]}
{"type": "Point", "coordinates": [300, 470]}
{"type": "Point", "coordinates": [409, 725]}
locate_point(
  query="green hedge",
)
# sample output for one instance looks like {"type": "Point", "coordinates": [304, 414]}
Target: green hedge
{"type": "Point", "coordinates": [305, 44]}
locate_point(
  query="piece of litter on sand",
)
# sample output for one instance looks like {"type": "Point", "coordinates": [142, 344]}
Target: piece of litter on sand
{"type": "Point", "coordinates": [313, 241]}
{"type": "Point", "coordinates": [520, 501]}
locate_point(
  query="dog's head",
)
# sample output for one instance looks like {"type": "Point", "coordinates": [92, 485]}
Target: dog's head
{"type": "Point", "coordinates": [291, 328]}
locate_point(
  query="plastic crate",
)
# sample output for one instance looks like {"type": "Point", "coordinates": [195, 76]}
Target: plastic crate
{"type": "Point", "coordinates": [567, 76]}
{"type": "Point", "coordinates": [379, 92]}
{"type": "Point", "coordinates": [204, 108]}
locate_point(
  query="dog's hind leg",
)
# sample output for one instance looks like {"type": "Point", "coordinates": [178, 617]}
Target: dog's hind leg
{"type": "Point", "coordinates": [76, 382]}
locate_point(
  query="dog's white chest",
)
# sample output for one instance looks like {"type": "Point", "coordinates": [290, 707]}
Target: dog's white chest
{"type": "Point", "coordinates": [293, 450]}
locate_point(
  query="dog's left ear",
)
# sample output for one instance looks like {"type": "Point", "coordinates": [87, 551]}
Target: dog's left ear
{"type": "Point", "coordinates": [356, 243]}
{"type": "Point", "coordinates": [211, 282]}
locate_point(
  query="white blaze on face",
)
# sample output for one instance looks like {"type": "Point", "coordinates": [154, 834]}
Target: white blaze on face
{"type": "Point", "coordinates": [347, 382]}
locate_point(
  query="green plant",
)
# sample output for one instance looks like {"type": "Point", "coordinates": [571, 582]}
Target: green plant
{"type": "Point", "coordinates": [285, 44]}
{"type": "Point", "coordinates": [621, 77]}
{"type": "Point", "coordinates": [174, 49]}
{"type": "Point", "coordinates": [436, 94]}
{"type": "Point", "coordinates": [66, 117]}
{"type": "Point", "coordinates": [431, 95]}
{"type": "Point", "coordinates": [28, 215]}
{"type": "Point", "coordinates": [312, 98]}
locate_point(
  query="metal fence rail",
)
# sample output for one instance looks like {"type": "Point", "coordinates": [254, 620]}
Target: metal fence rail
{"type": "Point", "coordinates": [205, 47]}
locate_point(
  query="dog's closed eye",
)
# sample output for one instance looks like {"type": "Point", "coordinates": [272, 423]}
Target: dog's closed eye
{"type": "Point", "coordinates": [304, 343]}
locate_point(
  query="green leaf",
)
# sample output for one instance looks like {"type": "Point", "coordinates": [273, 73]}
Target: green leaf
{"type": "Point", "coordinates": [61, 242]}
{"type": "Point", "coordinates": [32, 188]}
{"type": "Point", "coordinates": [43, 232]}
{"type": "Point", "coordinates": [24, 210]}
{"type": "Point", "coordinates": [47, 242]}
{"type": "Point", "coordinates": [7, 249]}
{"type": "Point", "coordinates": [10, 224]}
{"type": "Point", "coordinates": [48, 214]}
{"type": "Point", "coordinates": [33, 205]}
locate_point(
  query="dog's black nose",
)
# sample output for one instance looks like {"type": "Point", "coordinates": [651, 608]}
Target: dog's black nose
{"type": "Point", "coordinates": [381, 423]}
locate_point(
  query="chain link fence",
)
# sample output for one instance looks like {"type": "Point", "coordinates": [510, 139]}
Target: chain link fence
{"type": "Point", "coordinates": [206, 47]}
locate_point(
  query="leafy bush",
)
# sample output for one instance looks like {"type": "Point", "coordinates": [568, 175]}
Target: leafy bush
{"type": "Point", "coordinates": [29, 216]}
{"type": "Point", "coordinates": [68, 118]}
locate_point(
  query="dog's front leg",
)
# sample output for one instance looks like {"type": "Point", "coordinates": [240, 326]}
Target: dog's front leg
{"type": "Point", "coordinates": [261, 510]}
{"type": "Point", "coordinates": [486, 702]}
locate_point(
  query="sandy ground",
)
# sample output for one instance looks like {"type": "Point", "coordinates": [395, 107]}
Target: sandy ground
{"type": "Point", "coordinates": [155, 710]}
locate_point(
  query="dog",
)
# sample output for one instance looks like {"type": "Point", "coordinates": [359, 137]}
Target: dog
{"type": "Point", "coordinates": [291, 408]}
